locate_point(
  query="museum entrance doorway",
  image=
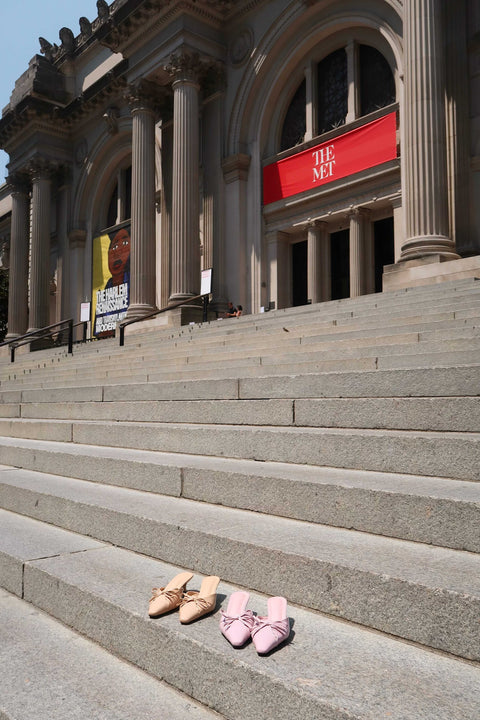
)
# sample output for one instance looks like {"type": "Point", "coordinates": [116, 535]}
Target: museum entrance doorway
{"type": "Point", "coordinates": [340, 264]}
{"type": "Point", "coordinates": [299, 273]}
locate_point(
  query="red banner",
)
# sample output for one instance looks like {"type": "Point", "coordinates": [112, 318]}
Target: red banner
{"type": "Point", "coordinates": [356, 150]}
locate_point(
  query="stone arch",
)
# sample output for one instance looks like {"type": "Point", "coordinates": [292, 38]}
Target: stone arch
{"type": "Point", "coordinates": [277, 66]}
{"type": "Point", "coordinates": [269, 81]}
{"type": "Point", "coordinates": [98, 179]}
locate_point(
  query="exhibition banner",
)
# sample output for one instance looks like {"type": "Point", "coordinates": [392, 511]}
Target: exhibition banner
{"type": "Point", "coordinates": [352, 152]}
{"type": "Point", "coordinates": [110, 280]}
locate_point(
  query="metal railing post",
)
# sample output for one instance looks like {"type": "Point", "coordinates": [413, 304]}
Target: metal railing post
{"type": "Point", "coordinates": [122, 335]}
{"type": "Point", "coordinates": [12, 353]}
{"type": "Point", "coordinates": [70, 337]}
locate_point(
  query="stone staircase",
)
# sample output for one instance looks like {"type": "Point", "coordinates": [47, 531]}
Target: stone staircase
{"type": "Point", "coordinates": [329, 453]}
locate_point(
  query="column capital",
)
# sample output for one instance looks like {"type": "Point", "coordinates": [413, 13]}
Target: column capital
{"type": "Point", "coordinates": [185, 66]}
{"type": "Point", "coordinates": [145, 95]}
{"type": "Point", "coordinates": [317, 225]}
{"type": "Point", "coordinates": [359, 213]}
{"type": "Point", "coordinates": [41, 168]}
{"type": "Point", "coordinates": [18, 183]}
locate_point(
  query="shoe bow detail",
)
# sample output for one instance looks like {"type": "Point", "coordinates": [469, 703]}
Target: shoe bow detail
{"type": "Point", "coordinates": [281, 628]}
{"type": "Point", "coordinates": [192, 596]}
{"type": "Point", "coordinates": [174, 595]}
{"type": "Point", "coordinates": [246, 618]}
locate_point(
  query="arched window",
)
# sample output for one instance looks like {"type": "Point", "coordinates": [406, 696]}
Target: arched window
{"type": "Point", "coordinates": [332, 91]}
{"type": "Point", "coordinates": [119, 207]}
{"type": "Point", "coordinates": [294, 126]}
{"type": "Point", "coordinates": [377, 85]}
{"type": "Point", "coordinates": [373, 83]}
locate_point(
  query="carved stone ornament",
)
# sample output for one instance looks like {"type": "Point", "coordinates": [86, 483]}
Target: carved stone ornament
{"type": "Point", "coordinates": [5, 255]}
{"type": "Point", "coordinates": [241, 47]}
{"type": "Point", "coordinates": [18, 183]}
{"type": "Point", "coordinates": [40, 167]}
{"type": "Point", "coordinates": [103, 10]}
{"type": "Point", "coordinates": [68, 39]}
{"type": "Point", "coordinates": [145, 95]}
{"type": "Point", "coordinates": [184, 66]}
{"type": "Point", "coordinates": [85, 27]}
{"type": "Point", "coordinates": [110, 117]}
{"type": "Point", "coordinates": [46, 48]}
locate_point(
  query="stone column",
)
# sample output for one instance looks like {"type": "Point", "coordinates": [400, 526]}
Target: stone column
{"type": "Point", "coordinates": [424, 147]}
{"type": "Point", "coordinates": [278, 270]}
{"type": "Point", "coordinates": [458, 123]}
{"type": "Point", "coordinates": [63, 215]}
{"type": "Point", "coordinates": [166, 212]}
{"type": "Point", "coordinates": [359, 221]}
{"type": "Point", "coordinates": [40, 172]}
{"type": "Point", "coordinates": [235, 173]}
{"type": "Point", "coordinates": [318, 262]}
{"type": "Point", "coordinates": [18, 276]}
{"type": "Point", "coordinates": [142, 252]}
{"type": "Point", "coordinates": [185, 279]}
{"type": "Point", "coordinates": [76, 239]}
{"type": "Point", "coordinates": [213, 220]}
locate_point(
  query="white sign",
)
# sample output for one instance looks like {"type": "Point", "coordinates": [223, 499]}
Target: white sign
{"type": "Point", "coordinates": [85, 312]}
{"type": "Point", "coordinates": [206, 284]}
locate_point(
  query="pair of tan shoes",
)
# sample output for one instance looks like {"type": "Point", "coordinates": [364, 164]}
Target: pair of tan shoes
{"type": "Point", "coordinates": [193, 604]}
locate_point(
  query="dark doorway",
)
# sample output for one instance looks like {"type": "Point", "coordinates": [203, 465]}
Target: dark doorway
{"type": "Point", "coordinates": [340, 264]}
{"type": "Point", "coordinates": [383, 235]}
{"type": "Point", "coordinates": [299, 273]}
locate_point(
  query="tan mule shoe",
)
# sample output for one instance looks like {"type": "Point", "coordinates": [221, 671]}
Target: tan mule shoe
{"type": "Point", "coordinates": [195, 604]}
{"type": "Point", "coordinates": [169, 597]}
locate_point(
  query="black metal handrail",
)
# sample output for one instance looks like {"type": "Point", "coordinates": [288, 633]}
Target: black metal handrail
{"type": "Point", "coordinates": [124, 324]}
{"type": "Point", "coordinates": [39, 334]}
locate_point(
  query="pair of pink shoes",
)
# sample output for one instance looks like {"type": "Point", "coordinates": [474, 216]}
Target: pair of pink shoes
{"type": "Point", "coordinates": [239, 624]}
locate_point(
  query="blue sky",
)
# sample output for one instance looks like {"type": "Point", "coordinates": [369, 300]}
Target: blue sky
{"type": "Point", "coordinates": [22, 22]}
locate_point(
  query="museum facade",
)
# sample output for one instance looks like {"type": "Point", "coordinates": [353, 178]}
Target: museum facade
{"type": "Point", "coordinates": [303, 150]}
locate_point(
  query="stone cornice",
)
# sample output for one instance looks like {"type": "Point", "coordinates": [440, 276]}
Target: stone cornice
{"type": "Point", "coordinates": [58, 120]}
{"type": "Point", "coordinates": [128, 19]}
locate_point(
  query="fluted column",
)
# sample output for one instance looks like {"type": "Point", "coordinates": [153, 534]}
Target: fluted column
{"type": "Point", "coordinates": [40, 172]}
{"type": "Point", "coordinates": [424, 151]}
{"type": "Point", "coordinates": [359, 221]}
{"type": "Point", "coordinates": [185, 278]}
{"type": "Point", "coordinates": [76, 289]}
{"type": "Point", "coordinates": [318, 263]}
{"type": "Point", "coordinates": [166, 213]}
{"type": "Point", "coordinates": [142, 253]}
{"type": "Point", "coordinates": [458, 135]}
{"type": "Point", "coordinates": [63, 217]}
{"type": "Point", "coordinates": [213, 219]}
{"type": "Point", "coordinates": [277, 259]}
{"type": "Point", "coordinates": [18, 275]}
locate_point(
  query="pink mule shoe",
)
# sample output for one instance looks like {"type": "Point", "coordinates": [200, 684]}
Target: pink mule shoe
{"type": "Point", "coordinates": [268, 632]}
{"type": "Point", "coordinates": [236, 624]}
{"type": "Point", "coordinates": [169, 597]}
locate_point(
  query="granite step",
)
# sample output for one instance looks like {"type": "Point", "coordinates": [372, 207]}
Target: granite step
{"type": "Point", "coordinates": [444, 454]}
{"type": "Point", "coordinates": [328, 668]}
{"type": "Point", "coordinates": [418, 592]}
{"type": "Point", "coordinates": [50, 672]}
{"type": "Point", "coordinates": [439, 511]}
{"type": "Point", "coordinates": [449, 414]}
